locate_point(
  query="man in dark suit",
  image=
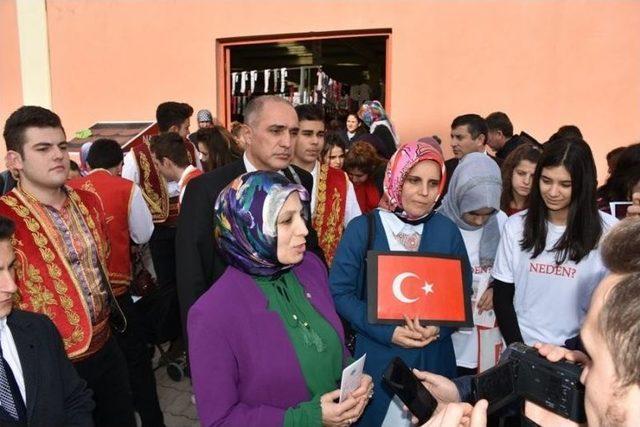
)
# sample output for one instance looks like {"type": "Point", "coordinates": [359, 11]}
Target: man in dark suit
{"type": "Point", "coordinates": [38, 384]}
{"type": "Point", "coordinates": [468, 135]}
{"type": "Point", "coordinates": [270, 134]}
{"type": "Point", "coordinates": [500, 137]}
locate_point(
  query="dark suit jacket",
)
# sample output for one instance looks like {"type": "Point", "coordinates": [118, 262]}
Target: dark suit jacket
{"type": "Point", "coordinates": [349, 142]}
{"type": "Point", "coordinates": [56, 395]}
{"type": "Point", "coordinates": [513, 143]}
{"type": "Point", "coordinates": [197, 263]}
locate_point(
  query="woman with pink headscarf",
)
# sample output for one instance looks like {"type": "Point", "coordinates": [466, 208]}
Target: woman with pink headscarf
{"type": "Point", "coordinates": [405, 221]}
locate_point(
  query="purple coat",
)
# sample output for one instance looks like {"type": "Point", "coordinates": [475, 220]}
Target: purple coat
{"type": "Point", "coordinates": [244, 368]}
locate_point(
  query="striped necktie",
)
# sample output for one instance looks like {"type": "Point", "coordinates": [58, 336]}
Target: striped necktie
{"type": "Point", "coordinates": [6, 396]}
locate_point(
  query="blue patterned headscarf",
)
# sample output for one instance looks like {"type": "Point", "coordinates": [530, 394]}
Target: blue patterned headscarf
{"type": "Point", "coordinates": [245, 221]}
{"type": "Point", "coordinates": [371, 112]}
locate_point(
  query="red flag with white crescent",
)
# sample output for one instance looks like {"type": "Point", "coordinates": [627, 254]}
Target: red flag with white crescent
{"type": "Point", "coordinates": [430, 287]}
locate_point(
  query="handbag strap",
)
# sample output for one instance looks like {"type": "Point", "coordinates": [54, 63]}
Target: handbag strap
{"type": "Point", "coordinates": [371, 225]}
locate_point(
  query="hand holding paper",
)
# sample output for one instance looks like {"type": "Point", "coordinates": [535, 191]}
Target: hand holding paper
{"type": "Point", "coordinates": [351, 378]}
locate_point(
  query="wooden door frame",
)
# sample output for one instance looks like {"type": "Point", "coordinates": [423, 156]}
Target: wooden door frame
{"type": "Point", "coordinates": [223, 60]}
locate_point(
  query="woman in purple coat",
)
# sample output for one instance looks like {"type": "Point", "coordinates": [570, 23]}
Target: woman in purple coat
{"type": "Point", "coordinates": [265, 343]}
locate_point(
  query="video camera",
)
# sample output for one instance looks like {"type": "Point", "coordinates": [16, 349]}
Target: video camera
{"type": "Point", "coordinates": [527, 375]}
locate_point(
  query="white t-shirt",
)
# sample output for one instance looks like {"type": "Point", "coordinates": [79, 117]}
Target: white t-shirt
{"type": "Point", "coordinates": [550, 300]}
{"type": "Point", "coordinates": [465, 340]}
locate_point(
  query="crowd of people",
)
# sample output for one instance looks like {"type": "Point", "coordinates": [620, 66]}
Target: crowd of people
{"type": "Point", "coordinates": [248, 249]}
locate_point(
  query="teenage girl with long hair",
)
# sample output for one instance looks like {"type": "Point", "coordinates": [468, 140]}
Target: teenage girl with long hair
{"type": "Point", "coordinates": [217, 147]}
{"type": "Point", "coordinates": [548, 263]}
{"type": "Point", "coordinates": [517, 178]}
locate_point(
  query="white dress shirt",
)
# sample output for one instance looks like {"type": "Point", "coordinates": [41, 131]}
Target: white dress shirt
{"type": "Point", "coordinates": [140, 218]}
{"type": "Point", "coordinates": [131, 172]}
{"type": "Point", "coordinates": [10, 354]}
{"type": "Point", "coordinates": [248, 165]}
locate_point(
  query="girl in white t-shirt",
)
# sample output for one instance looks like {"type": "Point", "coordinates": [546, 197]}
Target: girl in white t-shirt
{"type": "Point", "coordinates": [517, 177]}
{"type": "Point", "coordinates": [548, 262]}
{"type": "Point", "coordinates": [473, 203]}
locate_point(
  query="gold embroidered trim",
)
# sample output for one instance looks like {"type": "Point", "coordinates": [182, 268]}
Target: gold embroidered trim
{"type": "Point", "coordinates": [88, 186]}
{"type": "Point", "coordinates": [334, 226]}
{"type": "Point", "coordinates": [158, 203]}
{"type": "Point", "coordinates": [321, 198]}
{"type": "Point", "coordinates": [329, 229]}
{"type": "Point", "coordinates": [40, 296]}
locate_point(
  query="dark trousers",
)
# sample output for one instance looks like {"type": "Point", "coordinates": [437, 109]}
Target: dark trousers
{"type": "Point", "coordinates": [138, 356]}
{"type": "Point", "coordinates": [166, 311]}
{"type": "Point", "coordinates": [462, 372]}
{"type": "Point", "coordinates": [163, 253]}
{"type": "Point", "coordinates": [106, 375]}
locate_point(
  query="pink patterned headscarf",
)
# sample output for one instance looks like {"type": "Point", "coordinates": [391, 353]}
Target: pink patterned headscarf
{"type": "Point", "coordinates": [407, 156]}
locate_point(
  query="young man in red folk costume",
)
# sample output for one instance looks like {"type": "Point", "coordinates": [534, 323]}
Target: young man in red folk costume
{"type": "Point", "coordinates": [172, 161]}
{"type": "Point", "coordinates": [61, 253]}
{"type": "Point", "coordinates": [333, 202]}
{"type": "Point", "coordinates": [128, 219]}
{"type": "Point", "coordinates": [162, 197]}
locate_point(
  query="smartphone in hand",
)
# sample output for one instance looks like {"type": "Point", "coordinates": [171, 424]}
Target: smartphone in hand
{"type": "Point", "coordinates": [399, 378]}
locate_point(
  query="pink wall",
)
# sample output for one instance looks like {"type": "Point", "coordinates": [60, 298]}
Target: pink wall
{"type": "Point", "coordinates": [10, 79]}
{"type": "Point", "coordinates": [544, 63]}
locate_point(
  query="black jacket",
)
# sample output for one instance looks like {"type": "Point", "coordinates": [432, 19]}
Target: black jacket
{"type": "Point", "coordinates": [513, 143]}
{"type": "Point", "coordinates": [56, 395]}
{"type": "Point", "coordinates": [198, 265]}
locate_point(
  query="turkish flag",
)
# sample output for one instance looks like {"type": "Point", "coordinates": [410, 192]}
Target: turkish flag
{"type": "Point", "coordinates": [430, 287]}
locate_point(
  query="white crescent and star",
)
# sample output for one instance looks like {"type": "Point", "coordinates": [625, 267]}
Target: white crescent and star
{"type": "Point", "coordinates": [397, 288]}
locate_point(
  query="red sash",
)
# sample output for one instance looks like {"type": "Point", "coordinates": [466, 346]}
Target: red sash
{"type": "Point", "coordinates": [328, 219]}
{"type": "Point", "coordinates": [194, 173]}
{"type": "Point", "coordinates": [116, 194]}
{"type": "Point", "coordinates": [46, 282]}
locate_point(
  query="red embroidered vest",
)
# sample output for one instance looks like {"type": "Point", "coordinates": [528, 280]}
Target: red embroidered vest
{"type": "Point", "coordinates": [192, 152]}
{"type": "Point", "coordinates": [154, 186]}
{"type": "Point", "coordinates": [46, 282]}
{"type": "Point", "coordinates": [328, 219]}
{"type": "Point", "coordinates": [116, 194]}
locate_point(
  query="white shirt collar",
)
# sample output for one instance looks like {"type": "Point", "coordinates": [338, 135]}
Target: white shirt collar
{"type": "Point", "coordinates": [3, 323]}
{"type": "Point", "coordinates": [396, 225]}
{"type": "Point", "coordinates": [249, 167]}
{"type": "Point", "coordinates": [185, 173]}
{"type": "Point", "coordinates": [247, 164]}
{"type": "Point", "coordinates": [315, 171]}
